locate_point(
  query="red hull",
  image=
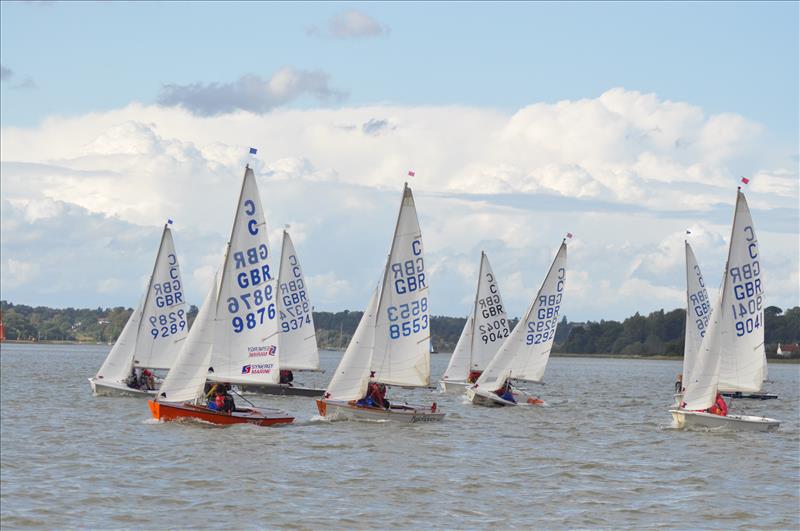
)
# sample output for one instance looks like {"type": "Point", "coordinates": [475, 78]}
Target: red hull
{"type": "Point", "coordinates": [167, 411]}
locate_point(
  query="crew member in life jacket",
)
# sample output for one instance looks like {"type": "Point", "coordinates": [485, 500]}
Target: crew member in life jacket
{"type": "Point", "coordinates": [679, 383]}
{"type": "Point", "coordinates": [505, 391]}
{"type": "Point", "coordinates": [473, 376]}
{"type": "Point", "coordinates": [286, 377]}
{"type": "Point", "coordinates": [148, 380]}
{"type": "Point", "coordinates": [719, 407]}
{"type": "Point", "coordinates": [375, 397]}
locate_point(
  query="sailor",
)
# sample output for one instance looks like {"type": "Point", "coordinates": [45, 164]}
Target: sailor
{"type": "Point", "coordinates": [149, 380]}
{"type": "Point", "coordinates": [473, 376]}
{"type": "Point", "coordinates": [132, 379]}
{"type": "Point", "coordinates": [505, 392]}
{"type": "Point", "coordinates": [286, 377]}
{"type": "Point", "coordinates": [679, 383]}
{"type": "Point", "coordinates": [719, 407]}
{"type": "Point", "coordinates": [228, 404]}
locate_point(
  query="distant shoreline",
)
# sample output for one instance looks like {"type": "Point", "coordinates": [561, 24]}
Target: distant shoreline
{"type": "Point", "coordinates": [658, 357]}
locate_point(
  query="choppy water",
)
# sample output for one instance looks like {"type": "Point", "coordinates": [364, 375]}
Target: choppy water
{"type": "Point", "coordinates": [602, 454]}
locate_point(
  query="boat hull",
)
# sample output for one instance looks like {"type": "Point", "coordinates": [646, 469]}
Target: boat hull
{"type": "Point", "coordinates": [481, 397]}
{"type": "Point", "coordinates": [169, 411]}
{"type": "Point", "coordinates": [701, 419]}
{"type": "Point", "coordinates": [281, 389]}
{"type": "Point", "coordinates": [754, 396]}
{"type": "Point", "coordinates": [453, 386]}
{"type": "Point", "coordinates": [406, 414]}
{"type": "Point", "coordinates": [110, 388]}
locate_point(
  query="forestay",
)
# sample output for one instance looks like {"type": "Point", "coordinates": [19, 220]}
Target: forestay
{"type": "Point", "coordinates": [164, 321]}
{"type": "Point", "coordinates": [698, 310]}
{"type": "Point", "coordinates": [297, 339]}
{"type": "Point", "coordinates": [245, 341]}
{"type": "Point", "coordinates": [401, 355]}
{"type": "Point", "coordinates": [524, 354]}
{"type": "Point", "coordinates": [742, 333]}
{"type": "Point", "coordinates": [187, 377]}
{"type": "Point", "coordinates": [350, 380]}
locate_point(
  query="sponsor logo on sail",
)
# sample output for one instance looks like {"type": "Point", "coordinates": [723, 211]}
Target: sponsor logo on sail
{"type": "Point", "coordinates": [257, 368]}
{"type": "Point", "coordinates": [261, 350]}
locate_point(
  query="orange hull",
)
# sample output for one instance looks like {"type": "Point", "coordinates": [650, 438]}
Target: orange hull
{"type": "Point", "coordinates": [168, 411]}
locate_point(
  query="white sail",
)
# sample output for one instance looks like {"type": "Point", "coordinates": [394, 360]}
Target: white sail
{"type": "Point", "coordinates": [164, 322]}
{"type": "Point", "coordinates": [703, 375]}
{"type": "Point", "coordinates": [187, 377]}
{"type": "Point", "coordinates": [524, 354]}
{"type": "Point", "coordinates": [246, 337]}
{"type": "Point", "coordinates": [297, 339]}
{"type": "Point", "coordinates": [458, 368]}
{"type": "Point", "coordinates": [117, 365]}
{"type": "Point", "coordinates": [491, 322]}
{"type": "Point", "coordinates": [350, 380]}
{"type": "Point", "coordinates": [742, 333]}
{"type": "Point", "coordinates": [401, 355]}
{"type": "Point", "coordinates": [698, 310]}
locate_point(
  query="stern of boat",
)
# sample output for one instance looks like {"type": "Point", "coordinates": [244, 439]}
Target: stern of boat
{"type": "Point", "coordinates": [322, 407]}
{"type": "Point", "coordinates": [155, 409]}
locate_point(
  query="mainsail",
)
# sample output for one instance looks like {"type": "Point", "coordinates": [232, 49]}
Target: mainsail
{"type": "Point", "coordinates": [742, 337]}
{"type": "Point", "coordinates": [485, 330]}
{"type": "Point", "coordinates": [524, 354]}
{"type": "Point", "coordinates": [731, 356]}
{"type": "Point", "coordinates": [164, 322]}
{"type": "Point", "coordinates": [401, 353]}
{"type": "Point", "coordinates": [698, 310]}
{"type": "Point", "coordinates": [297, 339]}
{"type": "Point", "coordinates": [245, 346]}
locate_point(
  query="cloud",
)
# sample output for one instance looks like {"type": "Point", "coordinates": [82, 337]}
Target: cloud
{"type": "Point", "coordinates": [626, 172]}
{"type": "Point", "coordinates": [351, 25]}
{"type": "Point", "coordinates": [250, 92]}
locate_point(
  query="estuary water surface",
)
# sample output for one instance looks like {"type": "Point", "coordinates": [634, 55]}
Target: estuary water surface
{"type": "Point", "coordinates": [601, 454]}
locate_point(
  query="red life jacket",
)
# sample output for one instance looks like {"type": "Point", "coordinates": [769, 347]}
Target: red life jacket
{"type": "Point", "coordinates": [721, 405]}
{"type": "Point", "coordinates": [220, 402]}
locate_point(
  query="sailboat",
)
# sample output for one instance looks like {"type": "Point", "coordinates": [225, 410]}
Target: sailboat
{"type": "Point", "coordinates": [698, 310]}
{"type": "Point", "coordinates": [245, 349]}
{"type": "Point", "coordinates": [485, 330]}
{"type": "Point", "coordinates": [182, 396]}
{"type": "Point", "coordinates": [234, 338]}
{"type": "Point", "coordinates": [524, 353]}
{"type": "Point", "coordinates": [731, 354]}
{"type": "Point", "coordinates": [391, 344]}
{"type": "Point", "coordinates": [153, 334]}
{"type": "Point", "coordinates": [297, 338]}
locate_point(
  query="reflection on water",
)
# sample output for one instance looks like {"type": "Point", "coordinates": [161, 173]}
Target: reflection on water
{"type": "Point", "coordinates": [601, 454]}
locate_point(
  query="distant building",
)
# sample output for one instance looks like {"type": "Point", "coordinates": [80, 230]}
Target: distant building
{"type": "Point", "coordinates": [103, 321]}
{"type": "Point", "coordinates": [788, 350]}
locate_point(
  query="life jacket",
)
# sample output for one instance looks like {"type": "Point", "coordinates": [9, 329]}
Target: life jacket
{"type": "Point", "coordinates": [220, 402]}
{"type": "Point", "coordinates": [721, 405]}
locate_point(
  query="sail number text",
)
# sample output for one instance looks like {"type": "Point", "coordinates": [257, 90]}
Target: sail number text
{"type": "Point", "coordinates": [543, 328]}
{"type": "Point", "coordinates": [701, 307]}
{"type": "Point", "coordinates": [407, 319]}
{"type": "Point", "coordinates": [167, 294]}
{"type": "Point", "coordinates": [295, 310]}
{"type": "Point", "coordinates": [746, 284]}
{"type": "Point", "coordinates": [408, 276]}
{"type": "Point", "coordinates": [488, 307]}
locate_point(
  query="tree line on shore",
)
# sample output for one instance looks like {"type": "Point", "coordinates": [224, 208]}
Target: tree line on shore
{"type": "Point", "coordinates": [659, 333]}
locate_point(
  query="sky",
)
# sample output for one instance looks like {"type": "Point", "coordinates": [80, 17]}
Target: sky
{"type": "Point", "coordinates": [625, 124]}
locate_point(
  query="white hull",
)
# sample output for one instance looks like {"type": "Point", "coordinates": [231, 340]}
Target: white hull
{"type": "Point", "coordinates": [110, 388]}
{"type": "Point", "coordinates": [453, 386]}
{"type": "Point", "coordinates": [481, 397]}
{"type": "Point", "coordinates": [405, 413]}
{"type": "Point", "coordinates": [700, 419]}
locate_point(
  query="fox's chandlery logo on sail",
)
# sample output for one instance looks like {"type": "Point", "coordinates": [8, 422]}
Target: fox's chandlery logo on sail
{"type": "Point", "coordinates": [257, 368]}
{"type": "Point", "coordinates": [257, 352]}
